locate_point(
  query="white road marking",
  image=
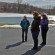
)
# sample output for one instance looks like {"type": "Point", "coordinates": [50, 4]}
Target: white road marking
{"type": "Point", "coordinates": [51, 45]}
{"type": "Point", "coordinates": [39, 45]}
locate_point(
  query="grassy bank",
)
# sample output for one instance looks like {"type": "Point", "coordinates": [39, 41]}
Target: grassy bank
{"type": "Point", "coordinates": [51, 21]}
{"type": "Point", "coordinates": [1, 24]}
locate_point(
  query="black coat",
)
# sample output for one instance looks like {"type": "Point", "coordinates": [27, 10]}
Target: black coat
{"type": "Point", "coordinates": [35, 24]}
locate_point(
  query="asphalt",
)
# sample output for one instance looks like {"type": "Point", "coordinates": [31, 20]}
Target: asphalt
{"type": "Point", "coordinates": [10, 43]}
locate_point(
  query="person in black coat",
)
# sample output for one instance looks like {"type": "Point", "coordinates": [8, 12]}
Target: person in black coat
{"type": "Point", "coordinates": [35, 28]}
{"type": "Point", "coordinates": [44, 28]}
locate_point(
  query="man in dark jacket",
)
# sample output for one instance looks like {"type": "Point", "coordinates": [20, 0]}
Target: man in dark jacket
{"type": "Point", "coordinates": [24, 24]}
{"type": "Point", "coordinates": [35, 29]}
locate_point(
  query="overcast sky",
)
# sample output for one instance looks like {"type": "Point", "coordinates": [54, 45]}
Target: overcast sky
{"type": "Point", "coordinates": [39, 3]}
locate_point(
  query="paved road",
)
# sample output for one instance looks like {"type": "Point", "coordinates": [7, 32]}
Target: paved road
{"type": "Point", "coordinates": [10, 43]}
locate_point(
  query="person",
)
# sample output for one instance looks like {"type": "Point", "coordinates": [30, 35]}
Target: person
{"type": "Point", "coordinates": [44, 28]}
{"type": "Point", "coordinates": [24, 24]}
{"type": "Point", "coordinates": [35, 29]}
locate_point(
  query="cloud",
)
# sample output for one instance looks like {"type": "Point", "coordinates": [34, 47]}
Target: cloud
{"type": "Point", "coordinates": [8, 1]}
{"type": "Point", "coordinates": [28, 1]}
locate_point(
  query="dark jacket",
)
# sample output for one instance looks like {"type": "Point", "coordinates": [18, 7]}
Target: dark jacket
{"type": "Point", "coordinates": [35, 24]}
{"type": "Point", "coordinates": [44, 24]}
{"type": "Point", "coordinates": [24, 24]}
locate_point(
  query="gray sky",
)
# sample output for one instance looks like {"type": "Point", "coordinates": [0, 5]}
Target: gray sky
{"type": "Point", "coordinates": [39, 3]}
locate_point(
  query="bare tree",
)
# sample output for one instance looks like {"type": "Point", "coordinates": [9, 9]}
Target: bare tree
{"type": "Point", "coordinates": [19, 2]}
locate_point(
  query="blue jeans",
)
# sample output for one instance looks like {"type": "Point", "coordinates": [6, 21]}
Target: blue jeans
{"type": "Point", "coordinates": [35, 38]}
{"type": "Point", "coordinates": [24, 31]}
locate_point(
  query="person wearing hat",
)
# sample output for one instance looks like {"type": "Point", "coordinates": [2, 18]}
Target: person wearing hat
{"type": "Point", "coordinates": [24, 24]}
{"type": "Point", "coordinates": [44, 28]}
{"type": "Point", "coordinates": [35, 29]}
